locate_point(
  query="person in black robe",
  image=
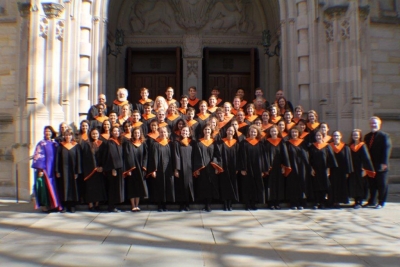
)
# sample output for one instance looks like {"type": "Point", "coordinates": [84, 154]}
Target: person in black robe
{"type": "Point", "coordinates": [135, 155]}
{"type": "Point", "coordinates": [176, 131]}
{"type": "Point", "coordinates": [296, 183]}
{"type": "Point", "coordinates": [321, 161]}
{"type": "Point", "coordinates": [153, 134]}
{"type": "Point", "coordinates": [112, 166]}
{"type": "Point", "coordinates": [105, 132]}
{"type": "Point", "coordinates": [161, 170]}
{"type": "Point", "coordinates": [266, 123]}
{"type": "Point", "coordinates": [312, 125]}
{"type": "Point", "coordinates": [148, 116]}
{"type": "Point", "coordinates": [339, 175]}
{"type": "Point", "coordinates": [67, 168]}
{"type": "Point", "coordinates": [380, 147]}
{"type": "Point", "coordinates": [93, 177]}
{"type": "Point", "coordinates": [362, 167]}
{"type": "Point", "coordinates": [122, 99]}
{"type": "Point", "coordinates": [253, 167]}
{"type": "Point", "coordinates": [229, 147]}
{"type": "Point", "coordinates": [135, 122]}
{"type": "Point", "coordinates": [61, 130]}
{"type": "Point", "coordinates": [144, 93]}
{"type": "Point", "coordinates": [173, 116]}
{"type": "Point", "coordinates": [97, 121]}
{"type": "Point", "coordinates": [278, 168]}
{"type": "Point", "coordinates": [183, 172]}
{"type": "Point", "coordinates": [193, 101]}
{"type": "Point", "coordinates": [202, 117]}
{"type": "Point", "coordinates": [93, 112]}
{"type": "Point", "coordinates": [192, 123]}
{"type": "Point", "coordinates": [206, 166]}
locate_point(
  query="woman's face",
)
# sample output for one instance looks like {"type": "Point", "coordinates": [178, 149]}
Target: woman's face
{"type": "Point", "coordinates": [227, 108]}
{"type": "Point", "coordinates": [180, 125]}
{"type": "Point", "coordinates": [281, 126]}
{"type": "Point", "coordinates": [265, 117]}
{"type": "Point", "coordinates": [47, 134]}
{"type": "Point", "coordinates": [136, 134]}
{"type": "Point", "coordinates": [220, 116]}
{"type": "Point", "coordinates": [302, 126]}
{"type": "Point", "coordinates": [207, 131]}
{"type": "Point", "coordinates": [294, 134]}
{"type": "Point", "coordinates": [127, 128]}
{"type": "Point", "coordinates": [273, 132]}
{"type": "Point", "coordinates": [298, 113]}
{"type": "Point", "coordinates": [318, 137]}
{"type": "Point", "coordinates": [230, 132]}
{"type": "Point", "coordinates": [106, 126]}
{"type": "Point", "coordinates": [253, 133]}
{"type": "Point", "coordinates": [68, 138]}
{"type": "Point", "coordinates": [212, 101]}
{"type": "Point", "coordinates": [258, 123]}
{"type": "Point", "coordinates": [282, 103]}
{"type": "Point", "coordinates": [240, 116]}
{"type": "Point", "coordinates": [288, 116]}
{"type": "Point", "coordinates": [115, 133]}
{"type": "Point", "coordinates": [213, 123]}
{"type": "Point", "coordinates": [240, 93]}
{"type": "Point", "coordinates": [311, 117]}
{"type": "Point", "coordinates": [324, 129]}
{"type": "Point", "coordinates": [95, 135]}
{"type": "Point", "coordinates": [356, 136]}
{"type": "Point", "coordinates": [84, 127]}
{"type": "Point", "coordinates": [203, 107]}
{"type": "Point", "coordinates": [235, 124]}
{"type": "Point", "coordinates": [172, 109]}
{"type": "Point", "coordinates": [250, 110]}
{"type": "Point", "coordinates": [154, 127]}
{"type": "Point", "coordinates": [185, 133]}
{"type": "Point", "coordinates": [190, 115]}
{"type": "Point", "coordinates": [236, 103]}
{"type": "Point", "coordinates": [63, 127]}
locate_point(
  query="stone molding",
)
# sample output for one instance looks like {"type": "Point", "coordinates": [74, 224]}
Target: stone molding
{"type": "Point", "coordinates": [43, 27]}
{"type": "Point", "coordinates": [24, 9]}
{"type": "Point", "coordinates": [52, 10]}
{"type": "Point", "coordinates": [192, 67]}
{"type": "Point", "coordinates": [336, 11]}
{"type": "Point", "coordinates": [192, 46]}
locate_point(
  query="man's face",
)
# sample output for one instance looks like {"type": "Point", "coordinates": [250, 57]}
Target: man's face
{"type": "Point", "coordinates": [375, 125]}
{"type": "Point", "coordinates": [147, 110]}
{"type": "Point", "coordinates": [278, 94]}
{"type": "Point", "coordinates": [215, 92]}
{"type": "Point", "coordinates": [113, 117]}
{"type": "Point", "coordinates": [236, 103]}
{"type": "Point", "coordinates": [184, 102]}
{"type": "Point", "coordinates": [102, 99]}
{"type": "Point", "coordinates": [169, 93]}
{"type": "Point", "coordinates": [259, 93]}
{"type": "Point", "coordinates": [121, 95]}
{"type": "Point", "coordinates": [135, 117]}
{"type": "Point", "coordinates": [192, 93]}
{"type": "Point", "coordinates": [144, 94]}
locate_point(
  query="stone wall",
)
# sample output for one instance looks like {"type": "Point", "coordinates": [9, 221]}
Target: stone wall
{"type": "Point", "coordinates": [8, 92]}
{"type": "Point", "coordinates": [385, 69]}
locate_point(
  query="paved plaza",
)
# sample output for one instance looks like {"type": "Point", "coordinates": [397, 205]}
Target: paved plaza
{"type": "Point", "coordinates": [346, 237]}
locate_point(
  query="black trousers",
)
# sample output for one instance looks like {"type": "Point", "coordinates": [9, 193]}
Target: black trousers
{"type": "Point", "coordinates": [378, 184]}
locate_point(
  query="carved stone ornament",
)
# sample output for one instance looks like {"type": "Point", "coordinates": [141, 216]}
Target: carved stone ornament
{"type": "Point", "coordinates": [192, 14]}
{"type": "Point", "coordinates": [52, 10]}
{"type": "Point", "coordinates": [192, 67]}
{"type": "Point", "coordinates": [329, 31]}
{"type": "Point", "coordinates": [336, 11]}
{"type": "Point", "coordinates": [192, 46]}
{"type": "Point", "coordinates": [43, 27]}
{"type": "Point", "coordinates": [60, 30]}
{"type": "Point", "coordinates": [345, 29]}
{"type": "Point", "coordinates": [24, 9]}
{"type": "Point", "coordinates": [363, 12]}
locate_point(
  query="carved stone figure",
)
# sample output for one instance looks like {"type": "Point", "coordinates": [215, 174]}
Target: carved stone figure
{"type": "Point", "coordinates": [149, 14]}
{"type": "Point", "coordinates": [224, 19]}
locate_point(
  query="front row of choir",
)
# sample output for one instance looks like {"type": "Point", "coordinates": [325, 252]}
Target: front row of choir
{"type": "Point", "coordinates": [167, 169]}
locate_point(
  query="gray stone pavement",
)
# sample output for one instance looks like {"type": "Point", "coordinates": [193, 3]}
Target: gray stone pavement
{"type": "Point", "coordinates": [346, 237]}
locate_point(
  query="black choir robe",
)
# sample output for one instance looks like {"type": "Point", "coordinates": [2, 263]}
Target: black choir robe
{"type": "Point", "coordinates": [321, 158]}
{"type": "Point", "coordinates": [277, 158]}
{"type": "Point", "coordinates": [296, 182]}
{"type": "Point", "coordinates": [141, 102]}
{"type": "Point", "coordinates": [94, 181]}
{"type": "Point", "coordinates": [183, 162]}
{"type": "Point", "coordinates": [194, 126]}
{"type": "Point", "coordinates": [357, 183]}
{"type": "Point", "coordinates": [112, 159]}
{"type": "Point", "coordinates": [338, 179]}
{"type": "Point", "coordinates": [207, 159]}
{"type": "Point", "coordinates": [147, 119]}
{"type": "Point", "coordinates": [171, 120]}
{"type": "Point", "coordinates": [68, 164]}
{"type": "Point", "coordinates": [135, 161]}
{"type": "Point", "coordinates": [194, 103]}
{"type": "Point", "coordinates": [228, 185]}
{"type": "Point", "coordinates": [312, 129]}
{"type": "Point", "coordinates": [160, 160]}
{"type": "Point", "coordinates": [202, 119]}
{"type": "Point", "coordinates": [253, 162]}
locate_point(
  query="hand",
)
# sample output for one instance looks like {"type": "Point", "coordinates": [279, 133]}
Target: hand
{"type": "Point", "coordinates": [40, 174]}
{"type": "Point", "coordinates": [76, 176]}
{"type": "Point", "coordinates": [176, 174]}
{"type": "Point", "coordinates": [283, 170]}
{"type": "Point", "coordinates": [99, 169]}
{"type": "Point", "coordinates": [243, 172]}
{"type": "Point", "coordinates": [312, 172]}
{"type": "Point", "coordinates": [363, 173]}
{"type": "Point", "coordinates": [153, 174]}
{"type": "Point", "coordinates": [347, 175]}
{"type": "Point", "coordinates": [197, 173]}
{"type": "Point", "coordinates": [384, 167]}
{"type": "Point", "coordinates": [129, 173]}
{"type": "Point", "coordinates": [114, 172]}
{"type": "Point", "coordinates": [58, 175]}
{"type": "Point", "coordinates": [328, 171]}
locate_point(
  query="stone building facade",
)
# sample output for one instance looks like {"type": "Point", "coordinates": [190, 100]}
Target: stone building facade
{"type": "Point", "coordinates": [339, 57]}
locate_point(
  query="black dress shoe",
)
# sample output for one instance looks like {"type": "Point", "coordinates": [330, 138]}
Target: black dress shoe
{"type": "Point", "coordinates": [73, 209]}
{"type": "Point", "coordinates": [114, 210]}
{"type": "Point", "coordinates": [64, 210]}
{"type": "Point", "coordinates": [187, 208]}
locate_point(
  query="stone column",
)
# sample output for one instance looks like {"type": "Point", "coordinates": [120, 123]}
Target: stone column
{"type": "Point", "coordinates": [85, 52]}
{"type": "Point", "coordinates": [53, 66]}
{"type": "Point", "coordinates": [192, 64]}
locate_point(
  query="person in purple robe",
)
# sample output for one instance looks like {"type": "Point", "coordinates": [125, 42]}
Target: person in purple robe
{"type": "Point", "coordinates": [45, 189]}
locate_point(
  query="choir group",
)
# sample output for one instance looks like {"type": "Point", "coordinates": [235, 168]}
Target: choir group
{"type": "Point", "coordinates": [186, 151]}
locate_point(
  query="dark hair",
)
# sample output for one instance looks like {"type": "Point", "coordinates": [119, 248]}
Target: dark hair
{"type": "Point", "coordinates": [295, 128]}
{"type": "Point", "coordinates": [269, 131]}
{"type": "Point", "coordinates": [120, 135]}
{"type": "Point", "coordinates": [102, 126]}
{"type": "Point", "coordinates": [176, 124]}
{"type": "Point", "coordinates": [184, 96]}
{"type": "Point", "coordinates": [147, 104]}
{"type": "Point", "coordinates": [90, 133]}
{"type": "Point", "coordinates": [129, 123]}
{"type": "Point", "coordinates": [53, 132]}
{"type": "Point", "coordinates": [142, 138]}
{"type": "Point", "coordinates": [69, 131]}
{"type": "Point", "coordinates": [80, 124]}
{"type": "Point", "coordinates": [351, 136]}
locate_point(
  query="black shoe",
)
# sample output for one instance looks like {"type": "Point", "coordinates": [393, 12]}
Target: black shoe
{"type": "Point", "coordinates": [225, 206]}
{"type": "Point", "coordinates": [73, 209]}
{"type": "Point", "coordinates": [91, 209]}
{"type": "Point", "coordinates": [278, 207]}
{"type": "Point", "coordinates": [247, 207]}
{"type": "Point", "coordinates": [272, 207]}
{"type": "Point", "coordinates": [300, 208]}
{"type": "Point", "coordinates": [160, 209]}
{"type": "Point", "coordinates": [114, 210]}
{"type": "Point", "coordinates": [181, 208]}
{"type": "Point", "coordinates": [378, 207]}
{"type": "Point", "coordinates": [357, 206]}
{"type": "Point", "coordinates": [253, 207]}
{"type": "Point", "coordinates": [187, 208]}
{"type": "Point", "coordinates": [64, 210]}
{"type": "Point", "coordinates": [293, 208]}
{"type": "Point", "coordinates": [207, 208]}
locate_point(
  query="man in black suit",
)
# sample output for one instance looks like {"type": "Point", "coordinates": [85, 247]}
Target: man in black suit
{"type": "Point", "coordinates": [379, 146]}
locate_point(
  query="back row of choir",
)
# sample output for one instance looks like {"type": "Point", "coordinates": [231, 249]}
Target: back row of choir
{"type": "Point", "coordinates": [181, 155]}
